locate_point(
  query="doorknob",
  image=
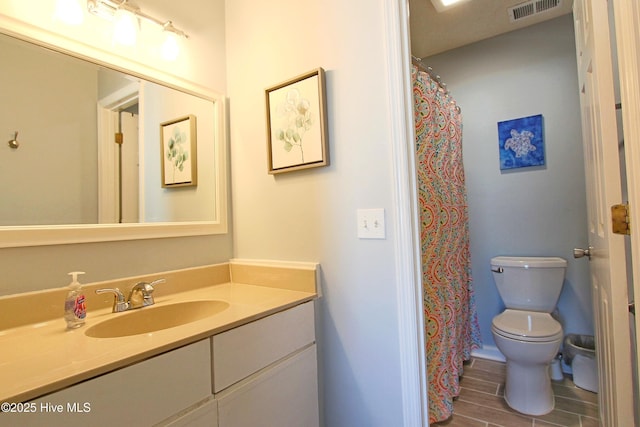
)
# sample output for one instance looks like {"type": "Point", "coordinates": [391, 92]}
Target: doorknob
{"type": "Point", "coordinates": [579, 253]}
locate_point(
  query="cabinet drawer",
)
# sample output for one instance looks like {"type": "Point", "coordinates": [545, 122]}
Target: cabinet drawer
{"type": "Point", "coordinates": [141, 394]}
{"type": "Point", "coordinates": [245, 350]}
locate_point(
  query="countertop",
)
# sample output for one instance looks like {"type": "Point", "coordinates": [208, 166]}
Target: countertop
{"type": "Point", "coordinates": [43, 357]}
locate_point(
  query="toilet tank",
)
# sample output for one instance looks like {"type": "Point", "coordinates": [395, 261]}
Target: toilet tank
{"type": "Point", "coordinates": [529, 283]}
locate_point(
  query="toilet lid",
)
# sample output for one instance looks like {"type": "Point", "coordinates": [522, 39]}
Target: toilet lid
{"type": "Point", "coordinates": [527, 325]}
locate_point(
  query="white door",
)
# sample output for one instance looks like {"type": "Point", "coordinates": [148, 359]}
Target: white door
{"type": "Point", "coordinates": [608, 257]}
{"type": "Point", "coordinates": [129, 170]}
{"type": "Point", "coordinates": [118, 167]}
{"type": "Point", "coordinates": [108, 116]}
{"type": "Point", "coordinates": [627, 27]}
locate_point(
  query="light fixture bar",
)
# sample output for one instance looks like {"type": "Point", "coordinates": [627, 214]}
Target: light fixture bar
{"type": "Point", "coordinates": [107, 9]}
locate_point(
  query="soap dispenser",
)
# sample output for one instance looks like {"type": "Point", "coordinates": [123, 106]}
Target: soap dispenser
{"type": "Point", "coordinates": [75, 309]}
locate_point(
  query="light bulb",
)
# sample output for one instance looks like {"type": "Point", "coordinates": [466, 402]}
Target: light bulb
{"type": "Point", "coordinates": [69, 11]}
{"type": "Point", "coordinates": [170, 47]}
{"type": "Point", "coordinates": [442, 5]}
{"type": "Point", "coordinates": [125, 31]}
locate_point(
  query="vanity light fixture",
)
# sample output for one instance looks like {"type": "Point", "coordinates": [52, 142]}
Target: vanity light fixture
{"type": "Point", "coordinates": [124, 14]}
{"type": "Point", "coordinates": [443, 5]}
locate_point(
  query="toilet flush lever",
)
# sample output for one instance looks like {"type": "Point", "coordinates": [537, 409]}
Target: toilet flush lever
{"type": "Point", "coordinates": [497, 269]}
{"type": "Point", "coordinates": [579, 253]}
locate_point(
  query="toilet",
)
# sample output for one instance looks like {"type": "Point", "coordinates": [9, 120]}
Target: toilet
{"type": "Point", "coordinates": [525, 332]}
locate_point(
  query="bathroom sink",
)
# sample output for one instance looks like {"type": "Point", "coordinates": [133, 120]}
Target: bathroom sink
{"type": "Point", "coordinates": [155, 318]}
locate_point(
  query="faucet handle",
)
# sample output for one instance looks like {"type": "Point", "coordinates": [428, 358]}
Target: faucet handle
{"type": "Point", "coordinates": [141, 294]}
{"type": "Point", "coordinates": [119, 304]}
{"type": "Point", "coordinates": [147, 288]}
{"type": "Point", "coordinates": [156, 282]}
{"type": "Point", "coordinates": [150, 287]}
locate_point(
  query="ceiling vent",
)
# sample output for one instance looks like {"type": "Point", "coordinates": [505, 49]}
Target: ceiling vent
{"type": "Point", "coordinates": [531, 8]}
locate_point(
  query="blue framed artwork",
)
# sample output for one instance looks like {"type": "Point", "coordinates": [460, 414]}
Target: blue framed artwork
{"type": "Point", "coordinates": [521, 142]}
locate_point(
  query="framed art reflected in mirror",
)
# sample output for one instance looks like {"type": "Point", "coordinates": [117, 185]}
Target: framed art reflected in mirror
{"type": "Point", "coordinates": [179, 152]}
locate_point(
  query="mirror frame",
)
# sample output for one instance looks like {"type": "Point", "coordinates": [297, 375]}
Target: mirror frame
{"type": "Point", "coordinates": [41, 235]}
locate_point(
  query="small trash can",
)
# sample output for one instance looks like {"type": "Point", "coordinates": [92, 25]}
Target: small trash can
{"type": "Point", "coordinates": [579, 351]}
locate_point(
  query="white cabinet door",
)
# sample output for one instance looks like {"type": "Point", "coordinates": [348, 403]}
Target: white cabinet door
{"type": "Point", "coordinates": [285, 394]}
{"type": "Point", "coordinates": [142, 394]}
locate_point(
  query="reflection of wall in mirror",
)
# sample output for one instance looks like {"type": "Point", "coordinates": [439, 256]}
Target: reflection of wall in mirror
{"type": "Point", "coordinates": [50, 178]}
{"type": "Point", "coordinates": [161, 104]}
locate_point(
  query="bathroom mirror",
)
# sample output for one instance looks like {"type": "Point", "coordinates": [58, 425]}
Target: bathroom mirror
{"type": "Point", "coordinates": [63, 177]}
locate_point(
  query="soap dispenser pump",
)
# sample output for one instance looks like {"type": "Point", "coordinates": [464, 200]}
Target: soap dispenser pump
{"type": "Point", "coordinates": [75, 309]}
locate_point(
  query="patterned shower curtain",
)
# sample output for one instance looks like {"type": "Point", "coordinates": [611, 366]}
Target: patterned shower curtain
{"type": "Point", "coordinates": [451, 323]}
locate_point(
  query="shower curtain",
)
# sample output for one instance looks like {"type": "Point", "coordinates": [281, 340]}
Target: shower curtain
{"type": "Point", "coordinates": [451, 323]}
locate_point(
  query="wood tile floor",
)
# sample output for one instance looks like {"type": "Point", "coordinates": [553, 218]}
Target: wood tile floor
{"type": "Point", "coordinates": [481, 402]}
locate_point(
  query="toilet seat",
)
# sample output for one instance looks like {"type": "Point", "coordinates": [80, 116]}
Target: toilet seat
{"type": "Point", "coordinates": [524, 325]}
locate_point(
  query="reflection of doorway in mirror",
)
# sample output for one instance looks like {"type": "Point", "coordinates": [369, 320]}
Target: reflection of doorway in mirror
{"type": "Point", "coordinates": [118, 164]}
{"type": "Point", "coordinates": [129, 168]}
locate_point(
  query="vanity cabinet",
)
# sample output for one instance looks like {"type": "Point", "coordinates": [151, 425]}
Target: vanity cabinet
{"type": "Point", "coordinates": [263, 373]}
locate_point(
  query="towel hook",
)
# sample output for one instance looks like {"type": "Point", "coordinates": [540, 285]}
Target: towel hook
{"type": "Point", "coordinates": [14, 142]}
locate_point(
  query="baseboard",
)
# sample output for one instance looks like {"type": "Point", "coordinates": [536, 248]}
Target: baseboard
{"type": "Point", "coordinates": [489, 352]}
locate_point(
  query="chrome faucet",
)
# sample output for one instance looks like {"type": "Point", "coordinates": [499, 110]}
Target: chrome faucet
{"type": "Point", "coordinates": [141, 295]}
{"type": "Point", "coordinates": [119, 304]}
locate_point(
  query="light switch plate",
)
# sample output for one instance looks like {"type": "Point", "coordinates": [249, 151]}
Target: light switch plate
{"type": "Point", "coordinates": [371, 224]}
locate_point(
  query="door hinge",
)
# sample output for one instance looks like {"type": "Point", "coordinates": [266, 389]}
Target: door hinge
{"type": "Point", "coordinates": [119, 138]}
{"type": "Point", "coordinates": [620, 222]}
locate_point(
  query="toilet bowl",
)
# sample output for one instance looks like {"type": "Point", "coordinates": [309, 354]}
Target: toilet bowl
{"type": "Point", "coordinates": [529, 341]}
{"type": "Point", "coordinates": [525, 332]}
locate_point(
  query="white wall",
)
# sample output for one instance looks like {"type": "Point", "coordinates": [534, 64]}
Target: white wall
{"type": "Point", "coordinates": [530, 211]}
{"type": "Point", "coordinates": [311, 215]}
{"type": "Point", "coordinates": [26, 269]}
